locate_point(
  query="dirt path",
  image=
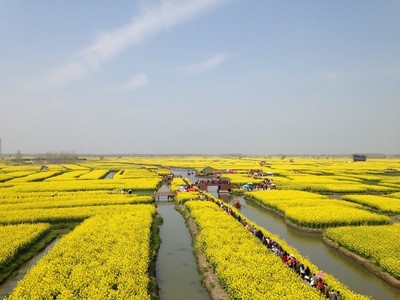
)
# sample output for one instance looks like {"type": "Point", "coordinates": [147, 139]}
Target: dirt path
{"type": "Point", "coordinates": [362, 261]}
{"type": "Point", "coordinates": [210, 281]}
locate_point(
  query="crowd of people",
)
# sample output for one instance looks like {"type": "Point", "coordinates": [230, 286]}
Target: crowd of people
{"type": "Point", "coordinates": [266, 184]}
{"type": "Point", "coordinates": [168, 178]}
{"type": "Point", "coordinates": [126, 191]}
{"type": "Point", "coordinates": [215, 181]}
{"type": "Point", "coordinates": [312, 279]}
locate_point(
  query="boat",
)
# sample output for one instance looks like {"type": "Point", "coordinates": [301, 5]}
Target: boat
{"type": "Point", "coordinates": [237, 204]}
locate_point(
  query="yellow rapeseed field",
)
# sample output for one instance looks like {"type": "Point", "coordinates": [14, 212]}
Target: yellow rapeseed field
{"type": "Point", "coordinates": [315, 211]}
{"type": "Point", "coordinates": [384, 204]}
{"type": "Point", "coordinates": [87, 185]}
{"type": "Point", "coordinates": [58, 215]}
{"type": "Point", "coordinates": [246, 268]}
{"type": "Point", "coordinates": [81, 199]}
{"type": "Point", "coordinates": [106, 257]}
{"type": "Point", "coordinates": [380, 244]}
{"type": "Point", "coordinates": [95, 260]}
{"type": "Point", "coordinates": [14, 238]}
{"type": "Point", "coordinates": [177, 183]}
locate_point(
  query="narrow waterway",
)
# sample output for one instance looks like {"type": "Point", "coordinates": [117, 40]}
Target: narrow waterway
{"type": "Point", "coordinates": [356, 277]}
{"type": "Point", "coordinates": [110, 175]}
{"type": "Point", "coordinates": [176, 267]}
{"type": "Point", "coordinates": [7, 286]}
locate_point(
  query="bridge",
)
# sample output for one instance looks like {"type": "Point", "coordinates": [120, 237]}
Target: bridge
{"type": "Point", "coordinates": [222, 186]}
{"type": "Point", "coordinates": [168, 194]}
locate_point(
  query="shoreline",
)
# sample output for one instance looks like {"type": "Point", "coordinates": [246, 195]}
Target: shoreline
{"type": "Point", "coordinates": [210, 281]}
{"type": "Point", "coordinates": [287, 222]}
{"type": "Point", "coordinates": [388, 278]}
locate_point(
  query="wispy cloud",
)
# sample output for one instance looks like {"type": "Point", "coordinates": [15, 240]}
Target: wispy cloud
{"type": "Point", "coordinates": [60, 76]}
{"type": "Point", "coordinates": [135, 82]}
{"type": "Point", "coordinates": [107, 45]}
{"type": "Point", "coordinates": [206, 65]}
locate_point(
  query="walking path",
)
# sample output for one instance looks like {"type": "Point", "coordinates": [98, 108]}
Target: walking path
{"type": "Point", "coordinates": [314, 280]}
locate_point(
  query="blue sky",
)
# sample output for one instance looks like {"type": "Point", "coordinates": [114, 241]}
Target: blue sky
{"type": "Point", "coordinates": [204, 76]}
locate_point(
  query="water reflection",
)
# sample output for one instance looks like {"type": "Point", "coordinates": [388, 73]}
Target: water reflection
{"type": "Point", "coordinates": [356, 277]}
{"type": "Point", "coordinates": [7, 286]}
{"type": "Point", "coordinates": [310, 245]}
{"type": "Point", "coordinates": [176, 268]}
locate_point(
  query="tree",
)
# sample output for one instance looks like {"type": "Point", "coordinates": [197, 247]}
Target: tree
{"type": "Point", "coordinates": [18, 156]}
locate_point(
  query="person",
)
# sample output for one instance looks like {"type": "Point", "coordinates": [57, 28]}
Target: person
{"type": "Point", "coordinates": [332, 295]}
{"type": "Point", "coordinates": [338, 296]}
{"type": "Point", "coordinates": [289, 261]}
{"type": "Point", "coordinates": [293, 262]}
{"type": "Point", "coordinates": [326, 290]}
{"type": "Point", "coordinates": [306, 279]}
{"type": "Point", "coordinates": [320, 285]}
{"type": "Point", "coordinates": [285, 257]}
{"type": "Point", "coordinates": [297, 268]}
{"type": "Point", "coordinates": [302, 271]}
{"type": "Point", "coordinates": [307, 272]}
{"type": "Point", "coordinates": [313, 281]}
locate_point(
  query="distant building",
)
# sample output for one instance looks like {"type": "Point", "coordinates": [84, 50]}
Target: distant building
{"type": "Point", "coordinates": [359, 157]}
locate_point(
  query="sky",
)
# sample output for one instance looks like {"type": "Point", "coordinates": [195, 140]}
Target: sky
{"type": "Point", "coordinates": [200, 76]}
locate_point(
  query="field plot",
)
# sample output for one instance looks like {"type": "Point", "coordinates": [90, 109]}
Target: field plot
{"type": "Point", "coordinates": [316, 211]}
{"type": "Point", "coordinates": [79, 199]}
{"type": "Point", "coordinates": [129, 173]}
{"type": "Point", "coordinates": [379, 244]}
{"type": "Point", "coordinates": [106, 257]}
{"type": "Point", "coordinates": [70, 175]}
{"type": "Point", "coordinates": [177, 183]}
{"type": "Point", "coordinates": [39, 176]}
{"type": "Point", "coordinates": [14, 175]}
{"type": "Point", "coordinates": [15, 238]}
{"type": "Point", "coordinates": [57, 215]}
{"type": "Point", "coordinates": [332, 184]}
{"type": "Point", "coordinates": [95, 174]}
{"type": "Point", "coordinates": [241, 179]}
{"type": "Point", "coordinates": [246, 268]}
{"type": "Point", "coordinates": [384, 204]}
{"type": "Point", "coordinates": [395, 195]}
{"type": "Point", "coordinates": [87, 185]}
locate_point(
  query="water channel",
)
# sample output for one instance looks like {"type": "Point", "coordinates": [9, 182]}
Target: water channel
{"type": "Point", "coordinates": [176, 267]}
{"type": "Point", "coordinates": [110, 175]}
{"type": "Point", "coordinates": [356, 277]}
{"type": "Point", "coordinates": [7, 286]}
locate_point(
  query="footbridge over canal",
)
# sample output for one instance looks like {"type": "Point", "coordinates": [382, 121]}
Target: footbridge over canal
{"type": "Point", "coordinates": [169, 194]}
{"type": "Point", "coordinates": [222, 185]}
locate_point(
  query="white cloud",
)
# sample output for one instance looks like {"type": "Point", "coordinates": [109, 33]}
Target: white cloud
{"type": "Point", "coordinates": [107, 45]}
{"type": "Point", "coordinates": [206, 65]}
{"type": "Point", "coordinates": [135, 82]}
{"type": "Point", "coordinates": [59, 77]}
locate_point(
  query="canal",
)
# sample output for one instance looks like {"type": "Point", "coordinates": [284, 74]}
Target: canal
{"type": "Point", "coordinates": [310, 245]}
{"type": "Point", "coordinates": [356, 277]}
{"type": "Point", "coordinates": [7, 286]}
{"type": "Point", "coordinates": [176, 268]}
